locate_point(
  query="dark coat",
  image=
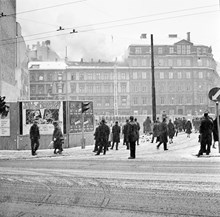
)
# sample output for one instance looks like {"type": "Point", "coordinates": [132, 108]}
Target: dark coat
{"type": "Point", "coordinates": [125, 132]}
{"type": "Point", "coordinates": [132, 131]}
{"type": "Point", "coordinates": [57, 138]}
{"type": "Point", "coordinates": [156, 132]}
{"type": "Point", "coordinates": [163, 129]}
{"type": "Point", "coordinates": [171, 130]}
{"type": "Point", "coordinates": [215, 130]}
{"type": "Point", "coordinates": [147, 125]}
{"type": "Point", "coordinates": [116, 130]}
{"type": "Point", "coordinates": [188, 127]}
{"type": "Point", "coordinates": [205, 131]}
{"type": "Point", "coordinates": [34, 132]}
{"type": "Point", "coordinates": [104, 132]}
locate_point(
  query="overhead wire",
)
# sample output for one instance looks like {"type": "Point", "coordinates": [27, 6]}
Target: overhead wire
{"type": "Point", "coordinates": [107, 27]}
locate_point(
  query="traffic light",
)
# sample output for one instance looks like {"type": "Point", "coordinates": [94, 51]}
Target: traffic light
{"type": "Point", "coordinates": [4, 109]}
{"type": "Point", "coordinates": [85, 106]}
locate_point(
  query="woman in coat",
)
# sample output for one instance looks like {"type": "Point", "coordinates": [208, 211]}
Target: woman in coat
{"type": "Point", "coordinates": [171, 131]}
{"type": "Point", "coordinates": [163, 129]}
{"type": "Point", "coordinates": [188, 128]}
{"type": "Point", "coordinates": [57, 138]}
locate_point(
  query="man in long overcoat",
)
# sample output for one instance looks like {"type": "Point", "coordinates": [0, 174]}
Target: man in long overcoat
{"type": "Point", "coordinates": [132, 137]}
{"type": "Point", "coordinates": [125, 133]}
{"type": "Point", "coordinates": [205, 131]}
{"type": "Point", "coordinates": [57, 138]}
{"type": "Point", "coordinates": [34, 136]}
{"type": "Point", "coordinates": [163, 129]}
{"type": "Point", "coordinates": [116, 130]}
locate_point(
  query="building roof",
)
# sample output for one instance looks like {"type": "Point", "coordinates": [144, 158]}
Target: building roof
{"type": "Point", "coordinates": [46, 65]}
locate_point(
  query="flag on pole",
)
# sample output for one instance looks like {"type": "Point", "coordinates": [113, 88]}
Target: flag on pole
{"type": "Point", "coordinates": [143, 35]}
{"type": "Point", "coordinates": [172, 35]}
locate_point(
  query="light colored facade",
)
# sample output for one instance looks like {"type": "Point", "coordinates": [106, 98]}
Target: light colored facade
{"type": "Point", "coordinates": [184, 74]}
{"type": "Point", "coordinates": [14, 80]}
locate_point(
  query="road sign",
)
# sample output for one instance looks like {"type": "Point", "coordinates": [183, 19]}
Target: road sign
{"type": "Point", "coordinates": [214, 94]}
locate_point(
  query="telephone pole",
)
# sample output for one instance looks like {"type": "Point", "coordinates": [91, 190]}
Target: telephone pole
{"type": "Point", "coordinates": [153, 81]}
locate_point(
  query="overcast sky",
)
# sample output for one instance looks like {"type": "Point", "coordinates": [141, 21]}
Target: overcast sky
{"type": "Point", "coordinates": [107, 27]}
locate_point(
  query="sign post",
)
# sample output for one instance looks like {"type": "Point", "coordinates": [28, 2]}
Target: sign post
{"type": "Point", "coordinates": [214, 95]}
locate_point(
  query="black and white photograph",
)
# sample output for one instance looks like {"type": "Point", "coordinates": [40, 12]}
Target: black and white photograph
{"type": "Point", "coordinates": [109, 108]}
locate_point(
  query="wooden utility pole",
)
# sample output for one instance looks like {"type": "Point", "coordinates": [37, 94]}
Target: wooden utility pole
{"type": "Point", "coordinates": [153, 81]}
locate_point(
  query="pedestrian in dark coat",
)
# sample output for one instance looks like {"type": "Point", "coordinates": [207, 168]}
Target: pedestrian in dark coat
{"type": "Point", "coordinates": [57, 138]}
{"type": "Point", "coordinates": [96, 138]}
{"type": "Point", "coordinates": [205, 131]}
{"type": "Point", "coordinates": [156, 133]}
{"type": "Point", "coordinates": [104, 132]}
{"type": "Point", "coordinates": [34, 136]}
{"type": "Point", "coordinates": [188, 128]}
{"type": "Point", "coordinates": [116, 130]}
{"type": "Point", "coordinates": [147, 126]}
{"type": "Point", "coordinates": [132, 137]}
{"type": "Point", "coordinates": [215, 131]}
{"type": "Point", "coordinates": [171, 131]}
{"type": "Point", "coordinates": [138, 127]}
{"type": "Point", "coordinates": [163, 129]}
{"type": "Point", "coordinates": [125, 133]}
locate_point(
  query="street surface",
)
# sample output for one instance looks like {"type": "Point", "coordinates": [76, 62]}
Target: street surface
{"type": "Point", "coordinates": [78, 183]}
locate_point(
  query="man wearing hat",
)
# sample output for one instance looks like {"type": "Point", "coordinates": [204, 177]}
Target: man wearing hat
{"type": "Point", "coordinates": [205, 131]}
{"type": "Point", "coordinates": [34, 136]}
{"type": "Point", "coordinates": [57, 138]}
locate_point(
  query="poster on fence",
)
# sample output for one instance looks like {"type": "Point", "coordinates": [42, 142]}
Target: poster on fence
{"type": "Point", "coordinates": [44, 112]}
{"type": "Point", "coordinates": [5, 125]}
{"type": "Point", "coordinates": [75, 117]}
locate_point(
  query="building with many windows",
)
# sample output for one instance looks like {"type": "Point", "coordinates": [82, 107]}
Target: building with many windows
{"type": "Point", "coordinates": [184, 74]}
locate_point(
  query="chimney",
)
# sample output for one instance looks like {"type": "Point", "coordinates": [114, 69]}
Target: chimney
{"type": "Point", "coordinates": [81, 60]}
{"type": "Point", "coordinates": [92, 60]}
{"type": "Point", "coordinates": [188, 36]}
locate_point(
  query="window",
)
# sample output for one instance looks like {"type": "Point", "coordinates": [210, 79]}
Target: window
{"type": "Point", "coordinates": [89, 76]}
{"type": "Point", "coordinates": [135, 99]}
{"type": "Point", "coordinates": [180, 100]}
{"type": "Point", "coordinates": [178, 49]}
{"type": "Point", "coordinates": [106, 76]}
{"type": "Point", "coordinates": [143, 62]}
{"type": "Point", "coordinates": [89, 88]}
{"type": "Point", "coordinates": [40, 89]}
{"type": "Point", "coordinates": [188, 49]}
{"type": "Point", "coordinates": [144, 75]}
{"type": "Point", "coordinates": [183, 49]}
{"type": "Point", "coordinates": [200, 75]}
{"type": "Point", "coordinates": [188, 62]}
{"type": "Point", "coordinates": [123, 87]}
{"type": "Point", "coordinates": [32, 77]}
{"type": "Point", "coordinates": [107, 101]}
{"type": "Point", "coordinates": [171, 50]}
{"type": "Point", "coordinates": [188, 100]}
{"type": "Point", "coordinates": [134, 62]}
{"type": "Point", "coordinates": [107, 88]}
{"type": "Point", "coordinates": [123, 76]}
{"type": "Point", "coordinates": [135, 75]}
{"type": "Point", "coordinates": [81, 88]}
{"type": "Point", "coordinates": [170, 62]}
{"type": "Point", "coordinates": [98, 76]}
{"type": "Point", "coordinates": [73, 76]}
{"type": "Point", "coordinates": [160, 62]}
{"type": "Point", "coordinates": [138, 50]}
{"type": "Point", "coordinates": [32, 89]}
{"type": "Point", "coordinates": [171, 100]}
{"type": "Point", "coordinates": [98, 88]}
{"type": "Point", "coordinates": [144, 88]}
{"type": "Point", "coordinates": [123, 100]}
{"type": "Point", "coordinates": [41, 77]}
{"type": "Point", "coordinates": [60, 77]}
{"type": "Point", "coordinates": [160, 50]}
{"type": "Point", "coordinates": [136, 88]}
{"type": "Point", "coordinates": [144, 100]}
{"type": "Point", "coordinates": [188, 75]}
{"type": "Point", "coordinates": [162, 100]}
{"type": "Point", "coordinates": [81, 76]}
{"type": "Point", "coordinates": [179, 62]}
{"type": "Point", "coordinates": [179, 75]}
{"type": "Point", "coordinates": [161, 75]}
{"type": "Point", "coordinates": [188, 87]}
{"type": "Point", "coordinates": [49, 76]}
{"type": "Point", "coordinates": [204, 50]}
{"type": "Point", "coordinates": [73, 87]}
{"type": "Point", "coordinates": [170, 75]}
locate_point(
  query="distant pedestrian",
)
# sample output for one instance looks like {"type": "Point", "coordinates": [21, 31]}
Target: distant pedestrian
{"type": "Point", "coordinates": [138, 128]}
{"type": "Point", "coordinates": [147, 126]}
{"type": "Point", "coordinates": [163, 129]}
{"type": "Point", "coordinates": [57, 138]}
{"type": "Point", "coordinates": [132, 137]}
{"type": "Point", "coordinates": [171, 131]}
{"type": "Point", "coordinates": [156, 131]}
{"type": "Point", "coordinates": [205, 131]}
{"type": "Point", "coordinates": [96, 138]}
{"type": "Point", "coordinates": [215, 131]}
{"type": "Point", "coordinates": [34, 136]}
{"type": "Point", "coordinates": [188, 128]}
{"type": "Point", "coordinates": [125, 134]}
{"type": "Point", "coordinates": [116, 130]}
{"type": "Point", "coordinates": [104, 132]}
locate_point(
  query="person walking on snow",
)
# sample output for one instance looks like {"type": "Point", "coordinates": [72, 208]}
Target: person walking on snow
{"type": "Point", "coordinates": [34, 136]}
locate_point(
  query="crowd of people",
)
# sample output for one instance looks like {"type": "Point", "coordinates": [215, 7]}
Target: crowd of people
{"type": "Point", "coordinates": [107, 137]}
